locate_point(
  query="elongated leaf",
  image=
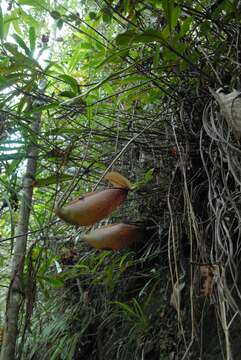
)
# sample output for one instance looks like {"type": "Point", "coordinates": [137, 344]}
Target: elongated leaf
{"type": "Point", "coordinates": [71, 81]}
{"type": "Point", "coordinates": [113, 57]}
{"type": "Point", "coordinates": [1, 25]}
{"type": "Point", "coordinates": [53, 281]}
{"type": "Point", "coordinates": [11, 156]}
{"type": "Point", "coordinates": [42, 108]}
{"type": "Point", "coordinates": [126, 37]}
{"type": "Point", "coordinates": [68, 94]}
{"type": "Point", "coordinates": [95, 87]}
{"type": "Point", "coordinates": [74, 343]}
{"type": "Point", "coordinates": [185, 26]}
{"type": "Point", "coordinates": [16, 26]}
{"type": "Point", "coordinates": [76, 57]}
{"type": "Point", "coordinates": [22, 44]}
{"type": "Point", "coordinates": [13, 166]}
{"type": "Point", "coordinates": [6, 26]}
{"type": "Point", "coordinates": [29, 19]}
{"type": "Point", "coordinates": [60, 24]}
{"type": "Point", "coordinates": [11, 47]}
{"type": "Point", "coordinates": [20, 58]}
{"type": "Point", "coordinates": [138, 310]}
{"type": "Point", "coordinates": [168, 8]}
{"type": "Point", "coordinates": [89, 113]}
{"type": "Point", "coordinates": [7, 82]}
{"type": "Point", "coordinates": [175, 16]}
{"type": "Point", "coordinates": [6, 70]}
{"type": "Point", "coordinates": [7, 148]}
{"type": "Point", "coordinates": [147, 36]}
{"type": "Point", "coordinates": [55, 15]}
{"type": "Point", "coordinates": [52, 180]}
{"type": "Point", "coordinates": [126, 308]}
{"type": "Point", "coordinates": [32, 39]}
{"type": "Point", "coordinates": [3, 82]}
{"type": "Point", "coordinates": [22, 104]}
{"type": "Point", "coordinates": [156, 57]}
{"type": "Point", "coordinates": [172, 50]}
{"type": "Point", "coordinates": [106, 14]}
{"type": "Point", "coordinates": [39, 4]}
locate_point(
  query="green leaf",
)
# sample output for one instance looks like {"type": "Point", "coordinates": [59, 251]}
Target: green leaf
{"type": "Point", "coordinates": [60, 24]}
{"type": "Point", "coordinates": [2, 261]}
{"type": "Point", "coordinates": [170, 55]}
{"type": "Point", "coordinates": [133, 79]}
{"type": "Point", "coordinates": [126, 308]}
{"type": "Point", "coordinates": [7, 82]}
{"type": "Point", "coordinates": [53, 281]}
{"type": "Point", "coordinates": [76, 57]}
{"type": "Point", "coordinates": [126, 37]}
{"type": "Point", "coordinates": [113, 57]}
{"type": "Point", "coordinates": [52, 180]}
{"type": "Point", "coordinates": [185, 27]}
{"type": "Point", "coordinates": [204, 28]}
{"type": "Point", "coordinates": [7, 148]}
{"type": "Point", "coordinates": [106, 14]}
{"type": "Point", "coordinates": [22, 44]}
{"type": "Point", "coordinates": [43, 107]}
{"type": "Point", "coordinates": [12, 156]}
{"type": "Point", "coordinates": [3, 82]}
{"type": "Point", "coordinates": [156, 57]}
{"type": "Point", "coordinates": [39, 4]}
{"type": "Point", "coordinates": [11, 47]}
{"type": "Point", "coordinates": [175, 16]}
{"type": "Point", "coordinates": [68, 94]}
{"type": "Point", "coordinates": [13, 166]}
{"type": "Point", "coordinates": [168, 8]}
{"type": "Point", "coordinates": [32, 39]}
{"type": "Point", "coordinates": [29, 19]}
{"type": "Point", "coordinates": [172, 14]}
{"type": "Point", "coordinates": [71, 81]}
{"type": "Point", "coordinates": [55, 15]}
{"type": "Point", "coordinates": [149, 175]}
{"type": "Point", "coordinates": [147, 36]}
{"type": "Point", "coordinates": [16, 26]}
{"type": "Point", "coordinates": [89, 113]}
{"type": "Point", "coordinates": [20, 58]}
{"type": "Point", "coordinates": [92, 15]}
{"type": "Point", "coordinates": [94, 87]}
{"type": "Point", "coordinates": [6, 25]}
{"type": "Point", "coordinates": [1, 25]}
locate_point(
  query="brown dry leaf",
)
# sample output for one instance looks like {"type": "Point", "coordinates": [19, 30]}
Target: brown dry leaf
{"type": "Point", "coordinates": [207, 273]}
{"type": "Point", "coordinates": [118, 180]}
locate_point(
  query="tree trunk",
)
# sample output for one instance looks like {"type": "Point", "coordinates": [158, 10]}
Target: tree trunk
{"type": "Point", "coordinates": [15, 295]}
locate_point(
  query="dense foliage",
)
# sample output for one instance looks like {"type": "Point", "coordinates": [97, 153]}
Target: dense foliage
{"type": "Point", "coordinates": [123, 85]}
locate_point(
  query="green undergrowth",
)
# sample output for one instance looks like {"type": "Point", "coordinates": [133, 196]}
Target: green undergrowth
{"type": "Point", "coordinates": [109, 306]}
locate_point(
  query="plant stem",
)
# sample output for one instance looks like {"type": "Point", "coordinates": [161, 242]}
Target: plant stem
{"type": "Point", "coordinates": [15, 295]}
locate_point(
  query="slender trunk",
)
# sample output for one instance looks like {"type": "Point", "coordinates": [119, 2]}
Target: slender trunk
{"type": "Point", "coordinates": [15, 294]}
